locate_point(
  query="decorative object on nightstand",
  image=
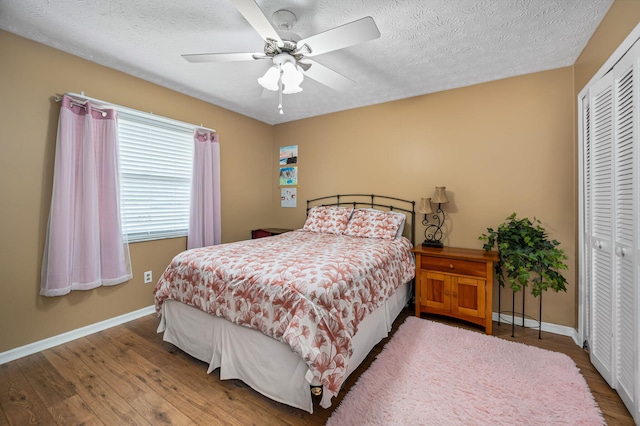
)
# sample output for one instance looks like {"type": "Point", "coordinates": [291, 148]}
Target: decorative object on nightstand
{"type": "Point", "coordinates": [455, 282]}
{"type": "Point", "coordinates": [267, 232]}
{"type": "Point", "coordinates": [433, 230]}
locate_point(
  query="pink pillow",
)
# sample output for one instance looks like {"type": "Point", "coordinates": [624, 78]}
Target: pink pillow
{"type": "Point", "coordinates": [374, 224]}
{"type": "Point", "coordinates": [328, 219]}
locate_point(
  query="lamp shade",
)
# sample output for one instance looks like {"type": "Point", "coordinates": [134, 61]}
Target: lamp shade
{"type": "Point", "coordinates": [425, 206]}
{"type": "Point", "coordinates": [270, 79]}
{"type": "Point", "coordinates": [291, 78]}
{"type": "Point", "coordinates": [440, 196]}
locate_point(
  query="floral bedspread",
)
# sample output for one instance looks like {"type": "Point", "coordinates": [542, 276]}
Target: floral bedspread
{"type": "Point", "coordinates": [308, 290]}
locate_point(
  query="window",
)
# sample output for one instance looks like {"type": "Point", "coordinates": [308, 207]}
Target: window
{"type": "Point", "coordinates": [156, 158]}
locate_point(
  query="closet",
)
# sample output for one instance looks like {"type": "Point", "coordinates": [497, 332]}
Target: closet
{"type": "Point", "coordinates": [610, 220]}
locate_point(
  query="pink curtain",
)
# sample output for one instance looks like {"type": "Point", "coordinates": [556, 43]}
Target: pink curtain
{"type": "Point", "coordinates": [85, 247]}
{"type": "Point", "coordinates": [204, 213]}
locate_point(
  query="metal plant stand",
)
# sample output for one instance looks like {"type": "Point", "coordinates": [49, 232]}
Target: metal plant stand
{"type": "Point", "coordinates": [513, 312]}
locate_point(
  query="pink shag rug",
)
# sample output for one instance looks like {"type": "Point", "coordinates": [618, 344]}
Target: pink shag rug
{"type": "Point", "coordinates": [435, 374]}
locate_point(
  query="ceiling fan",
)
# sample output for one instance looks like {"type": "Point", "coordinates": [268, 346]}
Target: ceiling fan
{"type": "Point", "coordinates": [291, 58]}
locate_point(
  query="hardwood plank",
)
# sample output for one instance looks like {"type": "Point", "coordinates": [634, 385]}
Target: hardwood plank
{"type": "Point", "coordinates": [3, 418]}
{"type": "Point", "coordinates": [156, 410]}
{"type": "Point", "coordinates": [46, 380]}
{"type": "Point", "coordinates": [203, 403]}
{"type": "Point", "coordinates": [172, 359]}
{"type": "Point", "coordinates": [123, 347]}
{"type": "Point", "coordinates": [21, 404]}
{"type": "Point", "coordinates": [146, 327]}
{"type": "Point", "coordinates": [92, 388]}
{"type": "Point", "coordinates": [107, 366]}
{"type": "Point", "coordinates": [74, 411]}
{"type": "Point", "coordinates": [147, 404]}
{"type": "Point", "coordinates": [233, 389]}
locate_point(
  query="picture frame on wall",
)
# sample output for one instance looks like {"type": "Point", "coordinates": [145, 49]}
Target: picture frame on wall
{"type": "Point", "coordinates": [288, 175]}
{"type": "Point", "coordinates": [288, 155]}
{"type": "Point", "coordinates": [288, 197]}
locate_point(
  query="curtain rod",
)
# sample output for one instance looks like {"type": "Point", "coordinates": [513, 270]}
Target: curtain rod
{"type": "Point", "coordinates": [120, 108]}
{"type": "Point", "coordinates": [75, 102]}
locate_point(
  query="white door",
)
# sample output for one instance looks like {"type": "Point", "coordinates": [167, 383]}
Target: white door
{"type": "Point", "coordinates": [626, 99]}
{"type": "Point", "coordinates": [601, 227]}
{"type": "Point", "coordinates": [586, 284]}
{"type": "Point", "coordinates": [610, 220]}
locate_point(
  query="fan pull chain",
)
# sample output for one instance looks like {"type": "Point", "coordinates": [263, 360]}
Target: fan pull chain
{"type": "Point", "coordinates": [280, 92]}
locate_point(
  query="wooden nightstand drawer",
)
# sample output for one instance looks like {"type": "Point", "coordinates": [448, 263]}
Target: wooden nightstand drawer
{"type": "Point", "coordinates": [454, 266]}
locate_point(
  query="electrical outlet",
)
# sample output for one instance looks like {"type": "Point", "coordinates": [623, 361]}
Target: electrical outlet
{"type": "Point", "coordinates": [148, 277]}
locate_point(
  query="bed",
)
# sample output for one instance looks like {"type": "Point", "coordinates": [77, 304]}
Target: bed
{"type": "Point", "coordinates": [298, 312]}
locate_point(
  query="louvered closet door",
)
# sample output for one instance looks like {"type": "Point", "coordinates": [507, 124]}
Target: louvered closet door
{"type": "Point", "coordinates": [585, 266]}
{"type": "Point", "coordinates": [610, 252]}
{"type": "Point", "coordinates": [626, 224]}
{"type": "Point", "coordinates": [601, 227]}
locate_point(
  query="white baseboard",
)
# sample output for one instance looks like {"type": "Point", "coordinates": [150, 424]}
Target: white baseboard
{"type": "Point", "coordinates": [41, 345]}
{"type": "Point", "coordinates": [562, 330]}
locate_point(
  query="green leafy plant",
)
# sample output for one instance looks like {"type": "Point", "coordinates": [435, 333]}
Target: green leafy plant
{"type": "Point", "coordinates": [526, 255]}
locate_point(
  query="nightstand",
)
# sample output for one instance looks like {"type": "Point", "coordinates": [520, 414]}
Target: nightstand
{"type": "Point", "coordinates": [455, 282]}
{"type": "Point", "coordinates": [267, 232]}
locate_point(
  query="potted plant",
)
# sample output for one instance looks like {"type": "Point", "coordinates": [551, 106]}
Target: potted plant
{"type": "Point", "coordinates": [526, 256]}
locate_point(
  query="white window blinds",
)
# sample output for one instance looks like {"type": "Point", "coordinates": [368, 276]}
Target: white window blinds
{"type": "Point", "coordinates": [156, 159]}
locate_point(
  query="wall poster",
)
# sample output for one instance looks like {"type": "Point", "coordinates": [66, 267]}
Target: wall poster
{"type": "Point", "coordinates": [289, 175]}
{"type": "Point", "coordinates": [288, 155]}
{"type": "Point", "coordinates": [288, 197]}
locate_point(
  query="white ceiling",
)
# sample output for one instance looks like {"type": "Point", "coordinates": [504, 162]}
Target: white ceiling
{"type": "Point", "coordinates": [425, 46]}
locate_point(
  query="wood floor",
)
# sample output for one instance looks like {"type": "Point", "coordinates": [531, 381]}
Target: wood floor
{"type": "Point", "coordinates": [127, 375]}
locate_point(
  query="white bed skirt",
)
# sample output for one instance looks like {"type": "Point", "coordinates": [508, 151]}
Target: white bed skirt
{"type": "Point", "coordinates": [267, 365]}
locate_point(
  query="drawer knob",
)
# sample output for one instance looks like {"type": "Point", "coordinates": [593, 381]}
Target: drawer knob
{"type": "Point", "coordinates": [451, 265]}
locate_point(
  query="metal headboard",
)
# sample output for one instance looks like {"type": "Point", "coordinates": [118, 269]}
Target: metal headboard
{"type": "Point", "coordinates": [378, 202]}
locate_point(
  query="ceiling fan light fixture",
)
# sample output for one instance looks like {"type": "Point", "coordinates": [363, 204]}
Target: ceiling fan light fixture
{"type": "Point", "coordinates": [291, 78]}
{"type": "Point", "coordinates": [270, 79]}
{"type": "Point", "coordinates": [284, 71]}
{"type": "Point", "coordinates": [290, 90]}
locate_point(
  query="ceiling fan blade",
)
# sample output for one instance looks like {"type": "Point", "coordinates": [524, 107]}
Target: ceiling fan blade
{"type": "Point", "coordinates": [327, 76]}
{"type": "Point", "coordinates": [254, 15]}
{"type": "Point", "coordinates": [221, 57]}
{"type": "Point", "coordinates": [340, 37]}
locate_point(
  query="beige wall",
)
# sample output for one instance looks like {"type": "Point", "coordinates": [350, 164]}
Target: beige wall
{"type": "Point", "coordinates": [30, 74]}
{"type": "Point", "coordinates": [499, 147]}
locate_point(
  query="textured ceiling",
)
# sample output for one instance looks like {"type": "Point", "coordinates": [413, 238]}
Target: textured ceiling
{"type": "Point", "coordinates": [425, 46]}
